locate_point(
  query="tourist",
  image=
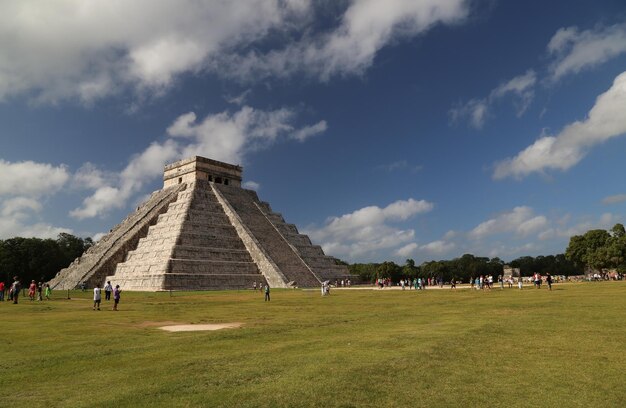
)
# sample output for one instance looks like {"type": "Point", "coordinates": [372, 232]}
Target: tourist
{"type": "Point", "coordinates": [1, 291]}
{"type": "Point", "coordinates": [267, 292]}
{"type": "Point", "coordinates": [15, 289]}
{"type": "Point", "coordinates": [116, 296]}
{"type": "Point", "coordinates": [31, 290]}
{"type": "Point", "coordinates": [108, 288]}
{"type": "Point", "coordinates": [537, 278]}
{"type": "Point", "coordinates": [501, 281]}
{"type": "Point", "coordinates": [453, 284]}
{"type": "Point", "coordinates": [39, 291]}
{"type": "Point", "coordinates": [48, 291]}
{"type": "Point", "coordinates": [520, 283]}
{"type": "Point", "coordinates": [97, 297]}
{"type": "Point", "coordinates": [254, 286]}
{"type": "Point", "coordinates": [549, 280]}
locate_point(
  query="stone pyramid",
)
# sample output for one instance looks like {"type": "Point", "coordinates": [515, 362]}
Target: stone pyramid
{"type": "Point", "coordinates": [202, 231]}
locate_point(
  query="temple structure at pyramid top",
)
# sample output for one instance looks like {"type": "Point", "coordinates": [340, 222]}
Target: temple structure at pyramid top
{"type": "Point", "coordinates": [202, 231]}
{"type": "Point", "coordinates": [201, 168]}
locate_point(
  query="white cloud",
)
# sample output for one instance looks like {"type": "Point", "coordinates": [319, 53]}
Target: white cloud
{"type": "Point", "coordinates": [239, 99]}
{"type": "Point", "coordinates": [86, 51]}
{"type": "Point", "coordinates": [438, 247]}
{"type": "Point", "coordinates": [367, 230]}
{"type": "Point", "coordinates": [614, 199]}
{"type": "Point", "coordinates": [365, 28]}
{"type": "Point", "coordinates": [576, 50]}
{"type": "Point", "coordinates": [607, 119]}
{"type": "Point", "coordinates": [28, 178]}
{"type": "Point", "coordinates": [14, 207]}
{"type": "Point", "coordinates": [521, 221]}
{"type": "Point", "coordinates": [407, 250]}
{"type": "Point", "coordinates": [224, 136]}
{"type": "Point", "coordinates": [302, 134]}
{"type": "Point", "coordinates": [251, 185]}
{"type": "Point", "coordinates": [88, 176]}
{"type": "Point", "coordinates": [476, 111]}
{"type": "Point", "coordinates": [14, 216]}
{"type": "Point", "coordinates": [566, 230]}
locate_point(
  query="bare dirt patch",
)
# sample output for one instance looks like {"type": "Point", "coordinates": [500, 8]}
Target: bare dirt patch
{"type": "Point", "coordinates": [149, 323]}
{"type": "Point", "coordinates": [200, 327]}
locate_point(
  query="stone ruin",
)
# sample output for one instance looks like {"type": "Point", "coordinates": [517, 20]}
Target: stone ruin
{"type": "Point", "coordinates": [202, 231]}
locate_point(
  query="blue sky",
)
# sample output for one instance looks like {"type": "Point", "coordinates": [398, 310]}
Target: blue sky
{"type": "Point", "coordinates": [385, 130]}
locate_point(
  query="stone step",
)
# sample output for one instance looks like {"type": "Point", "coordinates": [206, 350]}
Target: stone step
{"type": "Point", "coordinates": [214, 254]}
{"type": "Point", "coordinates": [309, 250]}
{"type": "Point", "coordinates": [184, 281]}
{"type": "Point", "coordinates": [203, 267]}
{"type": "Point", "coordinates": [188, 239]}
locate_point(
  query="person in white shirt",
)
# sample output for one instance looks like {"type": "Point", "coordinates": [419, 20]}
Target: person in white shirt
{"type": "Point", "coordinates": [108, 288]}
{"type": "Point", "coordinates": [97, 297]}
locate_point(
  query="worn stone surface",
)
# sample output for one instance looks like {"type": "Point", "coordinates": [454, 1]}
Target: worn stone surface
{"type": "Point", "coordinates": [101, 259]}
{"type": "Point", "coordinates": [197, 234]}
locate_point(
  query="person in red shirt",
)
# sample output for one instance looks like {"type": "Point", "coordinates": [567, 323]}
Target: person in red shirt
{"type": "Point", "coordinates": [31, 290]}
{"type": "Point", "coordinates": [1, 291]}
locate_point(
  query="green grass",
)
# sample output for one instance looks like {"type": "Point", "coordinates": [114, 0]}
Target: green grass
{"type": "Point", "coordinates": [362, 348]}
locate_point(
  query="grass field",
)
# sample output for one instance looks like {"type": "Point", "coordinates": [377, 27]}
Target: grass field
{"type": "Point", "coordinates": [355, 348]}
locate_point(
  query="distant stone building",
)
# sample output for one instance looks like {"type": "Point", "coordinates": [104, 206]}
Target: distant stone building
{"type": "Point", "coordinates": [202, 231]}
{"type": "Point", "coordinates": [509, 272]}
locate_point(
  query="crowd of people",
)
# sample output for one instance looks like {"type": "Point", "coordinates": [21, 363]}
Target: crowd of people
{"type": "Point", "coordinates": [39, 290]}
{"type": "Point", "coordinates": [481, 282]}
{"type": "Point", "coordinates": [36, 291]}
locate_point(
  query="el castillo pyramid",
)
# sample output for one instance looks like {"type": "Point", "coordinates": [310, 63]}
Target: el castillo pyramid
{"type": "Point", "coordinates": [202, 231]}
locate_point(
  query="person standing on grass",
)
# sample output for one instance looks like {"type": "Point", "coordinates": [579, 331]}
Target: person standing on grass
{"type": "Point", "coordinates": [39, 291]}
{"type": "Point", "coordinates": [97, 298]}
{"type": "Point", "coordinates": [15, 289]}
{"type": "Point", "coordinates": [549, 280]}
{"type": "Point", "coordinates": [31, 290]}
{"type": "Point", "coordinates": [108, 288]}
{"type": "Point", "coordinates": [520, 283]}
{"type": "Point", "coordinates": [48, 291]}
{"type": "Point", "coordinates": [267, 292]}
{"type": "Point", "coordinates": [116, 296]}
{"type": "Point", "coordinates": [1, 291]}
{"type": "Point", "coordinates": [254, 286]}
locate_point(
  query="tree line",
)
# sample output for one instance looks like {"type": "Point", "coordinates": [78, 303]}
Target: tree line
{"type": "Point", "coordinates": [39, 259]}
{"type": "Point", "coordinates": [463, 268]}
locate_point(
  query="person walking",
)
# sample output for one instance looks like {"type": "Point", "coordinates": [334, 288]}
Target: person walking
{"type": "Point", "coordinates": [48, 291]}
{"type": "Point", "coordinates": [116, 296]}
{"type": "Point", "coordinates": [267, 292]}
{"type": "Point", "coordinates": [39, 291]}
{"type": "Point", "coordinates": [15, 289]}
{"type": "Point", "coordinates": [31, 290]}
{"type": "Point", "coordinates": [549, 280]}
{"type": "Point", "coordinates": [108, 288]}
{"type": "Point", "coordinates": [1, 291]}
{"type": "Point", "coordinates": [97, 298]}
